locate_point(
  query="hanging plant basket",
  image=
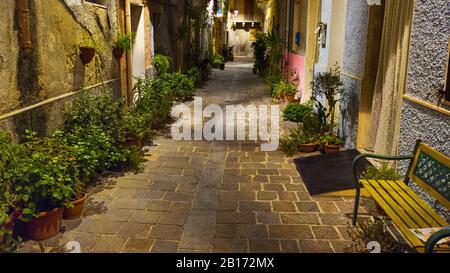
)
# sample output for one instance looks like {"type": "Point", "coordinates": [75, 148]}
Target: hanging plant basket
{"type": "Point", "coordinates": [86, 54]}
{"type": "Point", "coordinates": [118, 53]}
{"type": "Point", "coordinates": [45, 226]}
{"type": "Point", "coordinates": [77, 210]}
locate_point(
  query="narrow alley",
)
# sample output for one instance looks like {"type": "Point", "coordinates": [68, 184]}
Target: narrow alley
{"type": "Point", "coordinates": [210, 196]}
{"type": "Point", "coordinates": [224, 126]}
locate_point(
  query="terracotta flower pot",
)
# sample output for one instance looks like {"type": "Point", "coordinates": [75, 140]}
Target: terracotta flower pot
{"type": "Point", "coordinates": [118, 53]}
{"type": "Point", "coordinates": [331, 148]}
{"type": "Point", "coordinates": [289, 98]}
{"type": "Point", "coordinates": [77, 210]}
{"type": "Point", "coordinates": [308, 148]}
{"type": "Point", "coordinates": [45, 226]}
{"type": "Point", "coordinates": [86, 54]}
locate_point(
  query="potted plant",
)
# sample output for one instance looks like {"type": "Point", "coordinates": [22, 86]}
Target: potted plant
{"type": "Point", "coordinates": [74, 208]}
{"type": "Point", "coordinates": [45, 185]}
{"type": "Point", "coordinates": [259, 47]}
{"type": "Point", "coordinates": [218, 61]}
{"type": "Point", "coordinates": [135, 128]}
{"type": "Point", "coordinates": [10, 155]}
{"type": "Point", "coordinates": [328, 85]}
{"type": "Point", "coordinates": [307, 143]}
{"type": "Point", "coordinates": [87, 49]}
{"type": "Point", "coordinates": [285, 90]}
{"type": "Point", "coordinates": [122, 43]}
{"type": "Point", "coordinates": [296, 112]}
{"type": "Point", "coordinates": [331, 143]}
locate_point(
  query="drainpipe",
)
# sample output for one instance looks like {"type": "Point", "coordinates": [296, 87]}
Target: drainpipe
{"type": "Point", "coordinates": [24, 26]}
{"type": "Point", "coordinates": [129, 53]}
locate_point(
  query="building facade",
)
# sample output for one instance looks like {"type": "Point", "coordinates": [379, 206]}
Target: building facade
{"type": "Point", "coordinates": [40, 65]}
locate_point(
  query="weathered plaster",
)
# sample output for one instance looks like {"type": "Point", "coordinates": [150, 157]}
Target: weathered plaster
{"type": "Point", "coordinates": [54, 67]}
{"type": "Point", "coordinates": [9, 50]}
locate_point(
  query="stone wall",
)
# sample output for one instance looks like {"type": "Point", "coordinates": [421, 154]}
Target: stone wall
{"type": "Point", "coordinates": [426, 75]}
{"type": "Point", "coordinates": [54, 67]}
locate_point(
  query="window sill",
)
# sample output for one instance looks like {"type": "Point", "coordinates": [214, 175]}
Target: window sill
{"type": "Point", "coordinates": [427, 105]}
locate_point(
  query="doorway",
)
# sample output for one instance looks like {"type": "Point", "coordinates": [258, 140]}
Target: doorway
{"type": "Point", "coordinates": [373, 47]}
{"type": "Point", "coordinates": [138, 48]}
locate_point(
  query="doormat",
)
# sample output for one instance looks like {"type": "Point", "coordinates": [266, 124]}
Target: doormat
{"type": "Point", "coordinates": [330, 173]}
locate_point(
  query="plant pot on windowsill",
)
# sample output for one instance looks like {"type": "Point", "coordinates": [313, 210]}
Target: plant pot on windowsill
{"type": "Point", "coordinates": [331, 148]}
{"type": "Point", "coordinates": [77, 209]}
{"type": "Point", "coordinates": [45, 226]}
{"type": "Point", "coordinates": [118, 53]}
{"type": "Point", "coordinates": [308, 147]}
{"type": "Point", "coordinates": [86, 54]}
{"type": "Point", "coordinates": [222, 66]}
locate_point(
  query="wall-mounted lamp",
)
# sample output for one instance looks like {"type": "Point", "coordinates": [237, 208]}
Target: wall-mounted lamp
{"type": "Point", "coordinates": [235, 12]}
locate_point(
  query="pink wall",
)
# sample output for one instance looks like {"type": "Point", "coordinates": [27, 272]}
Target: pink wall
{"type": "Point", "coordinates": [297, 63]}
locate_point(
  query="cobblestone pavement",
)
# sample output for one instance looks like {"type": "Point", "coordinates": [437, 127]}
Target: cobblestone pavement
{"type": "Point", "coordinates": [210, 196]}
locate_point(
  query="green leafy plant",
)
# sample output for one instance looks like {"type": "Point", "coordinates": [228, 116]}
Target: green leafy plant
{"type": "Point", "coordinates": [329, 86]}
{"type": "Point", "coordinates": [296, 112]}
{"type": "Point", "coordinates": [307, 139]}
{"type": "Point", "coordinates": [195, 75]}
{"type": "Point", "coordinates": [180, 86]}
{"type": "Point", "coordinates": [259, 47]}
{"type": "Point", "coordinates": [283, 88]}
{"type": "Point", "coordinates": [47, 176]}
{"type": "Point", "coordinates": [289, 145]}
{"type": "Point", "coordinates": [384, 172]}
{"type": "Point", "coordinates": [154, 98]}
{"type": "Point", "coordinates": [331, 140]}
{"type": "Point", "coordinates": [161, 63]}
{"type": "Point", "coordinates": [10, 155]}
{"type": "Point", "coordinates": [98, 109]}
{"type": "Point", "coordinates": [274, 43]}
{"type": "Point", "coordinates": [123, 41]}
{"type": "Point", "coordinates": [136, 124]}
{"type": "Point", "coordinates": [217, 60]}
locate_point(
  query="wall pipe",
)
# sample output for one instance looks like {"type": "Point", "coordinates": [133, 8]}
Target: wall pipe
{"type": "Point", "coordinates": [24, 27]}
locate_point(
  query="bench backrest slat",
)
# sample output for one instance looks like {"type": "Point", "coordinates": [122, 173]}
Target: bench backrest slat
{"type": "Point", "coordinates": [431, 170]}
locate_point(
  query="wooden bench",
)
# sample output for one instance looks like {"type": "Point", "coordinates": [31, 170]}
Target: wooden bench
{"type": "Point", "coordinates": [431, 171]}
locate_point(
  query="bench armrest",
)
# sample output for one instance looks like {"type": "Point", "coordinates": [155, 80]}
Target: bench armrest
{"type": "Point", "coordinates": [435, 238]}
{"type": "Point", "coordinates": [383, 157]}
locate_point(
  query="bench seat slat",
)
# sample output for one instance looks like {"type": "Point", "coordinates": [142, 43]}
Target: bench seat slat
{"type": "Point", "coordinates": [395, 215]}
{"type": "Point", "coordinates": [406, 206]}
{"type": "Point", "coordinates": [410, 223]}
{"type": "Point", "coordinates": [422, 208]}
